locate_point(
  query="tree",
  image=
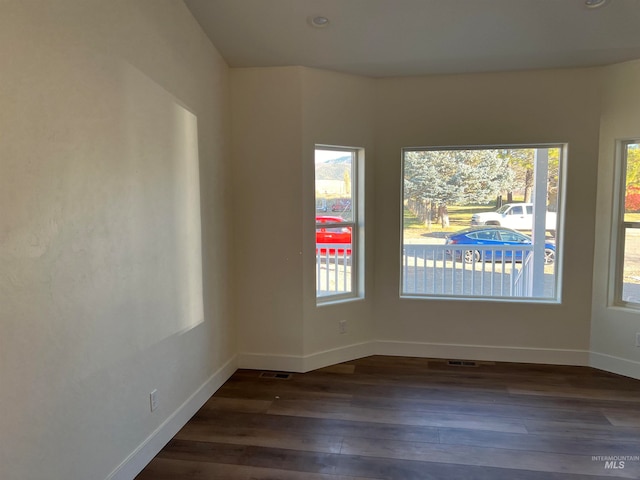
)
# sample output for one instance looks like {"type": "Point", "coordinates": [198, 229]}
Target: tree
{"type": "Point", "coordinates": [632, 193]}
{"type": "Point", "coordinates": [347, 181]}
{"type": "Point", "coordinates": [522, 162]}
{"type": "Point", "coordinates": [443, 177]}
{"type": "Point", "coordinates": [632, 199]}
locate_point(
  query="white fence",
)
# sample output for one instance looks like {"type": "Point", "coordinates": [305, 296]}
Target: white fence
{"type": "Point", "coordinates": [333, 269]}
{"type": "Point", "coordinates": [442, 271]}
{"type": "Point", "coordinates": [467, 270]}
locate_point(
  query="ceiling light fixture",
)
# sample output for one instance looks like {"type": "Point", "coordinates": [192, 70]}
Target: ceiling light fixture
{"type": "Point", "coordinates": [594, 3]}
{"type": "Point", "coordinates": [318, 21]}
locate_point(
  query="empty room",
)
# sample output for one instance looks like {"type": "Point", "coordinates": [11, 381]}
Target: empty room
{"type": "Point", "coordinates": [319, 239]}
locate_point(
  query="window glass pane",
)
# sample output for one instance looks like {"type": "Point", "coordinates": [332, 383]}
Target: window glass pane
{"type": "Point", "coordinates": [334, 183]}
{"type": "Point", "coordinates": [492, 191]}
{"type": "Point", "coordinates": [631, 268]}
{"type": "Point", "coordinates": [335, 192]}
{"type": "Point", "coordinates": [508, 236]}
{"type": "Point", "coordinates": [333, 261]}
{"type": "Point", "coordinates": [632, 184]}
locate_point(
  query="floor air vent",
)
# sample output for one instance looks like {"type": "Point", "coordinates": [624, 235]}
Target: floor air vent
{"type": "Point", "coordinates": [461, 363]}
{"type": "Point", "coordinates": [278, 375]}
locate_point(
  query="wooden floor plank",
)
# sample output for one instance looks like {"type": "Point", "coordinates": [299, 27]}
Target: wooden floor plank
{"type": "Point", "coordinates": [623, 418]}
{"type": "Point", "coordinates": [539, 443]}
{"type": "Point", "coordinates": [481, 456]}
{"type": "Point", "coordinates": [237, 404]}
{"type": "Point", "coordinates": [309, 408]}
{"type": "Point", "coordinates": [168, 469]}
{"type": "Point", "coordinates": [613, 432]}
{"type": "Point", "coordinates": [240, 435]}
{"type": "Point", "coordinates": [573, 392]}
{"type": "Point", "coordinates": [593, 415]}
{"type": "Point", "coordinates": [394, 469]}
{"type": "Point", "coordinates": [318, 426]}
{"type": "Point", "coordinates": [402, 418]}
{"type": "Point", "coordinates": [341, 368]}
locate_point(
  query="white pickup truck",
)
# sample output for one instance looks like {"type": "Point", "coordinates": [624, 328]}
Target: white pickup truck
{"type": "Point", "coordinates": [518, 216]}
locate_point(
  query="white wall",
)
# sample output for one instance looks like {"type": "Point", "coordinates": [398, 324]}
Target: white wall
{"type": "Point", "coordinates": [280, 113]}
{"type": "Point", "coordinates": [111, 116]}
{"type": "Point", "coordinates": [502, 108]}
{"type": "Point", "coordinates": [267, 173]}
{"type": "Point", "coordinates": [613, 329]}
{"type": "Point", "coordinates": [337, 110]}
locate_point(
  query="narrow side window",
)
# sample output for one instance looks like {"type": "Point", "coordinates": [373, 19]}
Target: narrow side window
{"type": "Point", "coordinates": [339, 219]}
{"type": "Point", "coordinates": [627, 216]}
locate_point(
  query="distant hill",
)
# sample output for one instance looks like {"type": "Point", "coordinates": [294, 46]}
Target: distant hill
{"type": "Point", "coordinates": [333, 169]}
{"type": "Point", "coordinates": [344, 160]}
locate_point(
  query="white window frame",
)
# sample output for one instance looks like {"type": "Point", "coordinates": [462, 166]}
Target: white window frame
{"type": "Point", "coordinates": [619, 227]}
{"type": "Point", "coordinates": [356, 224]}
{"type": "Point", "coordinates": [564, 150]}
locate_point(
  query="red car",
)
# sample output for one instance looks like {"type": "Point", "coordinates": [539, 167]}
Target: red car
{"type": "Point", "coordinates": [341, 205]}
{"type": "Point", "coordinates": [333, 234]}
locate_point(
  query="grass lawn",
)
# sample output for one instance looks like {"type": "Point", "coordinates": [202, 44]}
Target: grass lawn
{"type": "Point", "coordinates": [459, 218]}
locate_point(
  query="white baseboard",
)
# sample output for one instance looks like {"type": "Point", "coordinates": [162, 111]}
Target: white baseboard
{"type": "Point", "coordinates": [483, 352]}
{"type": "Point", "coordinates": [337, 355]}
{"type": "Point", "coordinates": [305, 363]}
{"type": "Point", "coordinates": [609, 363]}
{"type": "Point", "coordinates": [150, 447]}
{"type": "Point", "coordinates": [265, 361]}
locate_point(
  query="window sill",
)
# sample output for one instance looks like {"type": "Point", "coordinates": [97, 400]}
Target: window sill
{"type": "Point", "coordinates": [338, 301]}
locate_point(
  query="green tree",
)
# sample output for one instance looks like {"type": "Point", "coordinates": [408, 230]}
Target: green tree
{"type": "Point", "coordinates": [633, 165]}
{"type": "Point", "coordinates": [444, 177]}
{"type": "Point", "coordinates": [456, 176]}
{"type": "Point", "coordinates": [522, 161]}
{"type": "Point", "coordinates": [632, 187]}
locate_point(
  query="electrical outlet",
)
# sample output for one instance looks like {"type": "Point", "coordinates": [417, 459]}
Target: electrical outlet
{"type": "Point", "coordinates": [342, 325]}
{"type": "Point", "coordinates": [638, 339]}
{"type": "Point", "coordinates": [153, 400]}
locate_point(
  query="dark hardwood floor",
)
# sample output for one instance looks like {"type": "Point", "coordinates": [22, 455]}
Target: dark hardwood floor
{"type": "Point", "coordinates": [409, 418]}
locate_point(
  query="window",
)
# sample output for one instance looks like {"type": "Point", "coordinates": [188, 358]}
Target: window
{"type": "Point", "coordinates": [627, 253]}
{"type": "Point", "coordinates": [509, 236]}
{"type": "Point", "coordinates": [482, 223]}
{"type": "Point", "coordinates": [339, 218]}
{"type": "Point", "coordinates": [516, 211]}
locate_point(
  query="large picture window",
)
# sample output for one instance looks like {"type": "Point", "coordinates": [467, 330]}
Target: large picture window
{"type": "Point", "coordinates": [482, 223]}
{"type": "Point", "coordinates": [338, 220]}
{"type": "Point", "coordinates": [627, 253]}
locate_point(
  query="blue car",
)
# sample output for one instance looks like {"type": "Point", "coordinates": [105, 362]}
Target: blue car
{"type": "Point", "coordinates": [498, 236]}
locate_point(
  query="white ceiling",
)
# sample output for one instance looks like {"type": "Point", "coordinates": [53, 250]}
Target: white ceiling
{"type": "Point", "coordinates": [380, 38]}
